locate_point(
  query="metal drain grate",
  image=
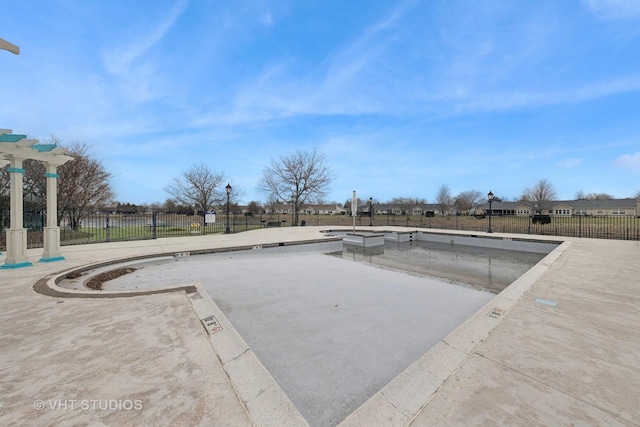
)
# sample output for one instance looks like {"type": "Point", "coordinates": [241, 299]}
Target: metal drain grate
{"type": "Point", "coordinates": [179, 255]}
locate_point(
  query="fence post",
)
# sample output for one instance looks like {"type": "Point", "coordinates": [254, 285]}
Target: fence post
{"type": "Point", "coordinates": [107, 229]}
{"type": "Point", "coordinates": [580, 226]}
{"type": "Point", "coordinates": [154, 223]}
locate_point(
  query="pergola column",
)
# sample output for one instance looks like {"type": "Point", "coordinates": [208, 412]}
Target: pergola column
{"type": "Point", "coordinates": [14, 149]}
{"type": "Point", "coordinates": [16, 234]}
{"type": "Point", "coordinates": [52, 230]}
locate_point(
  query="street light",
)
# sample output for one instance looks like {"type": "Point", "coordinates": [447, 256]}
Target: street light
{"type": "Point", "coordinates": [370, 211]}
{"type": "Point", "coordinates": [228, 188]}
{"type": "Point", "coordinates": [490, 197]}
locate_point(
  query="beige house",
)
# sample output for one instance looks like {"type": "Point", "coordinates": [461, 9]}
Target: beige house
{"type": "Point", "coordinates": [564, 208]}
{"type": "Point", "coordinates": [323, 209]}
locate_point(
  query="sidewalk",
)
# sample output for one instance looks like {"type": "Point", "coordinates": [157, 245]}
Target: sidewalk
{"type": "Point", "coordinates": [517, 361]}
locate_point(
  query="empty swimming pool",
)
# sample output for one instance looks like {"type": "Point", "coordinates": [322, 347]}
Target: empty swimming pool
{"type": "Point", "coordinates": [331, 331]}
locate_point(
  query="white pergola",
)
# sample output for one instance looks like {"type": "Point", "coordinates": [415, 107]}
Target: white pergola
{"type": "Point", "coordinates": [14, 150]}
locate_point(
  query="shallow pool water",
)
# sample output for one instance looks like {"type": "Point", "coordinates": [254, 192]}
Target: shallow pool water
{"type": "Point", "coordinates": [480, 267]}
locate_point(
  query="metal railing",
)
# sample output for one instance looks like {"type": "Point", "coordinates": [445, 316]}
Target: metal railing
{"type": "Point", "coordinates": [109, 227]}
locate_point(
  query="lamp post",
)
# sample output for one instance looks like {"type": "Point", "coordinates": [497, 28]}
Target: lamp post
{"type": "Point", "coordinates": [370, 211]}
{"type": "Point", "coordinates": [228, 188]}
{"type": "Point", "coordinates": [490, 197]}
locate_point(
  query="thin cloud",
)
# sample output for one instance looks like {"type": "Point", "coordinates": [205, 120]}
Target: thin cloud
{"type": "Point", "coordinates": [614, 9]}
{"type": "Point", "coordinates": [331, 88]}
{"type": "Point", "coordinates": [629, 161]}
{"type": "Point", "coordinates": [570, 162]}
{"type": "Point", "coordinates": [118, 60]}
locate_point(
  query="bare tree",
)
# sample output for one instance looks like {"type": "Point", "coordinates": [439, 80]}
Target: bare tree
{"type": "Point", "coordinates": [34, 185]}
{"type": "Point", "coordinates": [254, 207]}
{"type": "Point", "coordinates": [5, 188]}
{"type": "Point", "coordinates": [581, 195]}
{"type": "Point", "coordinates": [540, 196]}
{"type": "Point", "coordinates": [300, 178]}
{"type": "Point", "coordinates": [83, 186]}
{"type": "Point", "coordinates": [199, 187]}
{"type": "Point", "coordinates": [466, 201]}
{"type": "Point", "coordinates": [444, 199]}
{"type": "Point", "coordinates": [406, 203]}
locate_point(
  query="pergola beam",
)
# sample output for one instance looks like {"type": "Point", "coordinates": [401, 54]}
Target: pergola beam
{"type": "Point", "coordinates": [5, 45]}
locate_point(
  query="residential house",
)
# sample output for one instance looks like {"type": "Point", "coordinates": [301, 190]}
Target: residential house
{"type": "Point", "coordinates": [564, 208]}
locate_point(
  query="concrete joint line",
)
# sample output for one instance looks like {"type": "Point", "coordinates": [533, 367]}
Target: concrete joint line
{"type": "Point", "coordinates": [554, 388]}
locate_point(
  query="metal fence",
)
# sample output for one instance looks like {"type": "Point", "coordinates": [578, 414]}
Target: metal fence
{"type": "Point", "coordinates": [109, 227]}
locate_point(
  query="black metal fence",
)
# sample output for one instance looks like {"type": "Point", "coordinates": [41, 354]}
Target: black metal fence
{"type": "Point", "coordinates": [108, 227]}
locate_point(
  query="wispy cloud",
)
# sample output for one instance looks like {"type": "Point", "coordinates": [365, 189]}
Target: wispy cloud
{"type": "Point", "coordinates": [118, 59]}
{"type": "Point", "coordinates": [629, 161]}
{"type": "Point", "coordinates": [334, 86]}
{"type": "Point", "coordinates": [133, 69]}
{"type": "Point", "coordinates": [570, 162]}
{"type": "Point", "coordinates": [613, 9]}
{"type": "Point", "coordinates": [507, 100]}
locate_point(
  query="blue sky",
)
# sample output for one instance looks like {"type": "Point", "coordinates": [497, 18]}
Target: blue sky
{"type": "Point", "coordinates": [401, 96]}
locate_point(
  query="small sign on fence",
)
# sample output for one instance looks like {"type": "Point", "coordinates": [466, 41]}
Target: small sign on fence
{"type": "Point", "coordinates": [210, 217]}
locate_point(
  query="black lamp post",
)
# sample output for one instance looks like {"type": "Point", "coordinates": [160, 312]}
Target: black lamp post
{"type": "Point", "coordinates": [370, 211]}
{"type": "Point", "coordinates": [490, 197]}
{"type": "Point", "coordinates": [228, 188]}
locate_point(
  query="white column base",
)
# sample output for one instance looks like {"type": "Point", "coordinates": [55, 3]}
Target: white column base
{"type": "Point", "coordinates": [51, 245]}
{"type": "Point", "coordinates": [16, 249]}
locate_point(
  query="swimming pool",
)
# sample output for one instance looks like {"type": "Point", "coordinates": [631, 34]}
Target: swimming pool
{"type": "Point", "coordinates": [331, 331]}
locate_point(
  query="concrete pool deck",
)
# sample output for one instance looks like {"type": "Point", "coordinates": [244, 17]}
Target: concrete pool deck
{"type": "Point", "coordinates": [560, 346]}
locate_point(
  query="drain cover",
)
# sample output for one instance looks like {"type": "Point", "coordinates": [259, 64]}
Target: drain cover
{"type": "Point", "coordinates": [546, 302]}
{"type": "Point", "coordinates": [178, 255]}
{"type": "Point", "coordinates": [495, 312]}
{"type": "Point", "coordinates": [211, 324]}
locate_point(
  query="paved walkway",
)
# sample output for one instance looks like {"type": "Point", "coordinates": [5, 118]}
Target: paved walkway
{"type": "Point", "coordinates": [560, 346]}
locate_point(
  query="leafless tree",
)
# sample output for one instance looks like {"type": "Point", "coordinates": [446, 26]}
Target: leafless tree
{"type": "Point", "coordinates": [300, 178]}
{"type": "Point", "coordinates": [83, 186]}
{"type": "Point", "coordinates": [581, 195]}
{"type": "Point", "coordinates": [540, 196]}
{"type": "Point", "coordinates": [444, 199]}
{"type": "Point", "coordinates": [254, 207]}
{"type": "Point", "coordinates": [199, 187]}
{"type": "Point", "coordinates": [405, 203]}
{"type": "Point", "coordinates": [466, 201]}
{"type": "Point", "coordinates": [5, 195]}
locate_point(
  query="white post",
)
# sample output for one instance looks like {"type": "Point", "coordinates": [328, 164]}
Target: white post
{"type": "Point", "coordinates": [354, 209]}
{"type": "Point", "coordinates": [52, 230]}
{"type": "Point", "coordinates": [16, 234]}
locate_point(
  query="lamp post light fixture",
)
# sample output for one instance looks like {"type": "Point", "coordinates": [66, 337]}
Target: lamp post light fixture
{"type": "Point", "coordinates": [490, 197]}
{"type": "Point", "coordinates": [370, 211]}
{"type": "Point", "coordinates": [228, 188]}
